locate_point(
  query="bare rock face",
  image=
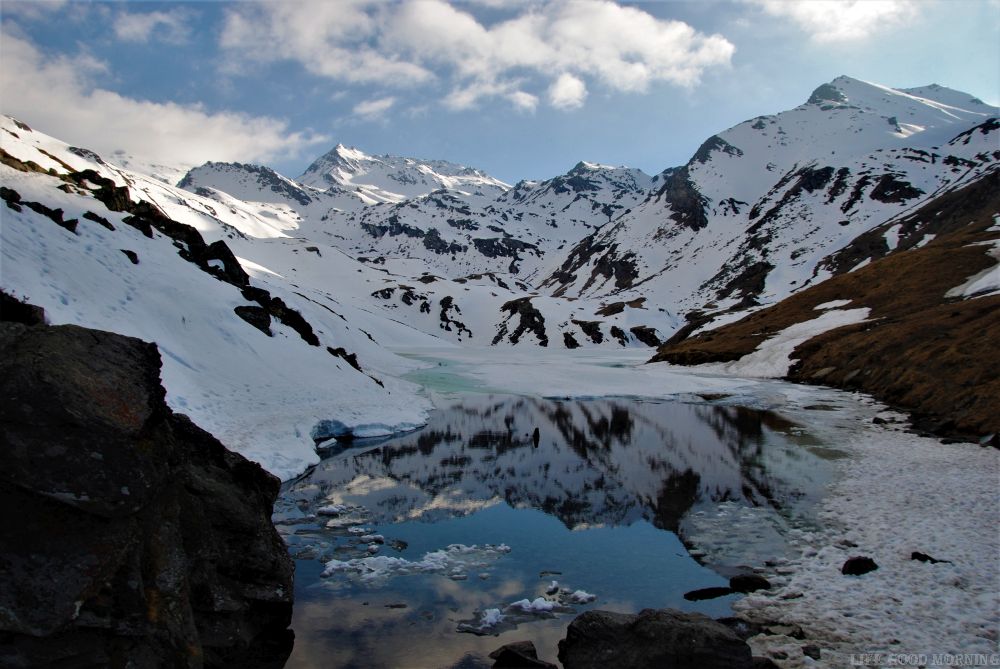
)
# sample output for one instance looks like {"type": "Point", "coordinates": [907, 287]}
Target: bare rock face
{"type": "Point", "coordinates": [651, 639]}
{"type": "Point", "coordinates": [128, 535]}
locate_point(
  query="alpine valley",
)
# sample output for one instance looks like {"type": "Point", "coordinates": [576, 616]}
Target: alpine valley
{"type": "Point", "coordinates": [262, 291]}
{"type": "Point", "coordinates": [852, 242]}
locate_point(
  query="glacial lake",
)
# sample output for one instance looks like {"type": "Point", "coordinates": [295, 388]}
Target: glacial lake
{"type": "Point", "coordinates": [625, 504]}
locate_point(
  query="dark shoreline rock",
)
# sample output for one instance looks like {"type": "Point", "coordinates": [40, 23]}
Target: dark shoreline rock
{"type": "Point", "coordinates": [651, 639]}
{"type": "Point", "coordinates": [129, 536]}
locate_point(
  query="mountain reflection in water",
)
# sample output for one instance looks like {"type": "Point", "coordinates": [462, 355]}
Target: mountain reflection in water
{"type": "Point", "coordinates": [602, 461]}
{"type": "Point", "coordinates": [598, 499]}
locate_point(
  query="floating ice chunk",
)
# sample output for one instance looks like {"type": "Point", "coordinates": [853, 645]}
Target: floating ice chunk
{"type": "Point", "coordinates": [373, 538]}
{"type": "Point", "coordinates": [331, 510]}
{"type": "Point", "coordinates": [373, 548]}
{"type": "Point", "coordinates": [582, 597]}
{"type": "Point", "coordinates": [456, 559]}
{"type": "Point", "coordinates": [553, 588]}
{"type": "Point", "coordinates": [491, 617]}
{"type": "Point", "coordinates": [538, 605]}
{"type": "Point", "coordinates": [358, 529]}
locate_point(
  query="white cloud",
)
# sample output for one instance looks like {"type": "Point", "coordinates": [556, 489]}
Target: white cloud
{"type": "Point", "coordinates": [399, 44]}
{"type": "Point", "coordinates": [522, 101]}
{"type": "Point", "coordinates": [842, 20]}
{"type": "Point", "coordinates": [328, 38]}
{"type": "Point", "coordinates": [567, 92]}
{"type": "Point", "coordinates": [372, 109]}
{"type": "Point", "coordinates": [171, 27]}
{"type": "Point", "coordinates": [57, 95]}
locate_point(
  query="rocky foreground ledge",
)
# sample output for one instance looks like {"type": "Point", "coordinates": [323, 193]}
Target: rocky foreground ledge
{"type": "Point", "coordinates": [128, 535]}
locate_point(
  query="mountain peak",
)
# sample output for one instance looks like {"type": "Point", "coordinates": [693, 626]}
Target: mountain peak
{"type": "Point", "coordinates": [826, 93]}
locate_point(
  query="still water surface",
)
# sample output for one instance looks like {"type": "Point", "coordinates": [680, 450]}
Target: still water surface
{"type": "Point", "coordinates": [602, 498]}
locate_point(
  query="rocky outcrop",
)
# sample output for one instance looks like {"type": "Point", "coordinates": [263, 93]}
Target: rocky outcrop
{"type": "Point", "coordinates": [530, 319]}
{"type": "Point", "coordinates": [130, 536]}
{"type": "Point", "coordinates": [653, 639]}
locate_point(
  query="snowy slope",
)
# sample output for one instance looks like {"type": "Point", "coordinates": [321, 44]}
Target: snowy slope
{"type": "Point", "coordinates": [81, 246]}
{"type": "Point", "coordinates": [758, 208]}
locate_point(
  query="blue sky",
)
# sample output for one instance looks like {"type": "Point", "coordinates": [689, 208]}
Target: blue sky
{"type": "Point", "coordinates": [520, 89]}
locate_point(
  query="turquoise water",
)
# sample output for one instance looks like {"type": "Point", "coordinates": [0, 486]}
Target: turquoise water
{"type": "Point", "coordinates": [600, 502]}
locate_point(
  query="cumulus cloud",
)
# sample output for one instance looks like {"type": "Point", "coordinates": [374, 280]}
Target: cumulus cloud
{"type": "Point", "coordinates": [371, 109]}
{"type": "Point", "coordinates": [567, 92]}
{"type": "Point", "coordinates": [57, 95]}
{"type": "Point", "coordinates": [841, 20]}
{"type": "Point", "coordinates": [330, 39]}
{"type": "Point", "coordinates": [171, 27]}
{"type": "Point", "coordinates": [550, 45]}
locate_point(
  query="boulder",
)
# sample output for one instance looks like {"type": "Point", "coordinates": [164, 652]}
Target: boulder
{"type": "Point", "coordinates": [518, 655]}
{"type": "Point", "coordinates": [651, 639]}
{"type": "Point", "coordinates": [749, 583]}
{"type": "Point", "coordinates": [856, 566]}
{"type": "Point", "coordinates": [126, 531]}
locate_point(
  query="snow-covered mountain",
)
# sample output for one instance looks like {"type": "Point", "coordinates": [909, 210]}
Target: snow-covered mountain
{"type": "Point", "coordinates": [389, 178]}
{"type": "Point", "coordinates": [758, 208]}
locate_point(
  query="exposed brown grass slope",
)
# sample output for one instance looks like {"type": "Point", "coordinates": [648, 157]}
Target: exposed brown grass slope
{"type": "Point", "coordinates": [935, 356]}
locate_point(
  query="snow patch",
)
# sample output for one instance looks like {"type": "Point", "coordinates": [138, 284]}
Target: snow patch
{"type": "Point", "coordinates": [772, 359]}
{"type": "Point", "coordinates": [982, 283]}
{"type": "Point", "coordinates": [832, 304]}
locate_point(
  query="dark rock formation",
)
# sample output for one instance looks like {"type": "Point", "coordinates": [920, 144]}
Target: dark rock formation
{"type": "Point", "coordinates": [687, 204]}
{"type": "Point", "coordinates": [856, 566]}
{"type": "Point", "coordinates": [653, 639]}
{"type": "Point", "coordinates": [255, 316]}
{"type": "Point", "coordinates": [924, 557]}
{"type": "Point", "coordinates": [518, 655]}
{"type": "Point", "coordinates": [749, 583]}
{"type": "Point", "coordinates": [592, 329]}
{"type": "Point", "coordinates": [646, 335]}
{"type": "Point", "coordinates": [129, 536]}
{"type": "Point", "coordinates": [529, 319]}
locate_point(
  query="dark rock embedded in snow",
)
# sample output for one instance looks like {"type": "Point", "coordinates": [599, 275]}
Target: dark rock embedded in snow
{"type": "Point", "coordinates": [653, 639]}
{"type": "Point", "coordinates": [924, 557]}
{"type": "Point", "coordinates": [126, 530]}
{"type": "Point", "coordinates": [255, 316]}
{"type": "Point", "coordinates": [749, 583]}
{"type": "Point", "coordinates": [529, 319]}
{"type": "Point", "coordinates": [856, 566]}
{"type": "Point", "coordinates": [646, 335]}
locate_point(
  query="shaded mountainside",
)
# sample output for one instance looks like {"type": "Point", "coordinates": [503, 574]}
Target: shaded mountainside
{"type": "Point", "coordinates": [130, 536]}
{"type": "Point", "coordinates": [925, 347]}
